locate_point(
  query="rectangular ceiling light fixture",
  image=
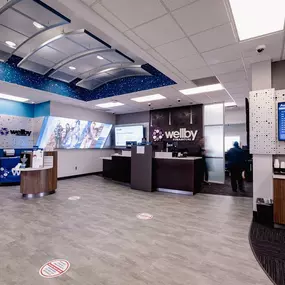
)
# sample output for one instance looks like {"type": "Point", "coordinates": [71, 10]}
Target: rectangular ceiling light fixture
{"type": "Point", "coordinates": [13, 98]}
{"type": "Point", "coordinates": [110, 105]}
{"type": "Point", "coordinates": [149, 98]}
{"type": "Point", "coordinates": [202, 89]}
{"type": "Point", "coordinates": [230, 104]}
{"type": "Point", "coordinates": [255, 18]}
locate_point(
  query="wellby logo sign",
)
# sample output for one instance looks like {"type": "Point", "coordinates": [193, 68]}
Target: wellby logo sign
{"type": "Point", "coordinates": [22, 132]}
{"type": "Point", "coordinates": [183, 134]}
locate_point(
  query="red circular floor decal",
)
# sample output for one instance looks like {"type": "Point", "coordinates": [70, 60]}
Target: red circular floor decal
{"type": "Point", "coordinates": [54, 268]}
{"type": "Point", "coordinates": [144, 216]}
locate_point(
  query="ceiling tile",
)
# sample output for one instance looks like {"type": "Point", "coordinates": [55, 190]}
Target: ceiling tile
{"type": "Point", "coordinates": [175, 4]}
{"type": "Point", "coordinates": [230, 66]}
{"type": "Point", "coordinates": [214, 38]}
{"type": "Point", "coordinates": [201, 15]}
{"type": "Point", "coordinates": [273, 46]}
{"type": "Point", "coordinates": [160, 31]}
{"type": "Point", "coordinates": [201, 98]}
{"type": "Point", "coordinates": [177, 49]}
{"type": "Point", "coordinates": [198, 73]}
{"type": "Point", "coordinates": [238, 90]}
{"type": "Point", "coordinates": [135, 12]}
{"type": "Point", "coordinates": [190, 62]}
{"type": "Point", "coordinates": [89, 2]}
{"type": "Point", "coordinates": [137, 40]}
{"type": "Point", "coordinates": [232, 77]}
{"type": "Point", "coordinates": [224, 54]}
{"type": "Point", "coordinates": [112, 19]}
{"type": "Point", "coordinates": [236, 84]}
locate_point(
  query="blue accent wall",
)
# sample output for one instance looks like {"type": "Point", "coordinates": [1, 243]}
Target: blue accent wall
{"type": "Point", "coordinates": [42, 109]}
{"type": "Point", "coordinates": [8, 107]}
{"type": "Point", "coordinates": [13, 108]}
{"type": "Point", "coordinates": [9, 72]}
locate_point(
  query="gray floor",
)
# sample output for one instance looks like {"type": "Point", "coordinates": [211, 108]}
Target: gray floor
{"type": "Point", "coordinates": [196, 240]}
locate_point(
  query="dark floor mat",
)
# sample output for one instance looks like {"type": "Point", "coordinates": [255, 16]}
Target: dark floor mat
{"type": "Point", "coordinates": [268, 245]}
{"type": "Point", "coordinates": [226, 189]}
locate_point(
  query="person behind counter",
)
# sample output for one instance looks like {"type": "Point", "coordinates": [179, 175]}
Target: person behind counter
{"type": "Point", "coordinates": [236, 165]}
{"type": "Point", "coordinates": [143, 141]}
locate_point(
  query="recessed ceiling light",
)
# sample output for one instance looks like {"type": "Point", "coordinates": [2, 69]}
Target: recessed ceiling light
{"type": "Point", "coordinates": [100, 57]}
{"type": "Point", "coordinates": [230, 104]}
{"type": "Point", "coordinates": [72, 67]}
{"type": "Point", "coordinates": [148, 98]}
{"type": "Point", "coordinates": [202, 89]}
{"type": "Point", "coordinates": [13, 98]}
{"type": "Point", "coordinates": [11, 44]}
{"type": "Point", "coordinates": [110, 105]}
{"type": "Point", "coordinates": [250, 17]}
{"type": "Point", "coordinates": [38, 25]}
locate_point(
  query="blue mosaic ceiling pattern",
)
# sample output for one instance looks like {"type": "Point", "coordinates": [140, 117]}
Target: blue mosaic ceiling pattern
{"type": "Point", "coordinates": [9, 72]}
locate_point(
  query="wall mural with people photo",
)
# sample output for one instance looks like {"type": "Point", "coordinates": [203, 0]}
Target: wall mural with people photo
{"type": "Point", "coordinates": [64, 133]}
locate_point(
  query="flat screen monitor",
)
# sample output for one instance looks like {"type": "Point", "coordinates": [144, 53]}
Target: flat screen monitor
{"type": "Point", "coordinates": [57, 133]}
{"type": "Point", "coordinates": [124, 134]}
{"type": "Point", "coordinates": [281, 121]}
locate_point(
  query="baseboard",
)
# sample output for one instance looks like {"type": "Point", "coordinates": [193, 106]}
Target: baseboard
{"type": "Point", "coordinates": [80, 175]}
{"type": "Point", "coordinates": [10, 184]}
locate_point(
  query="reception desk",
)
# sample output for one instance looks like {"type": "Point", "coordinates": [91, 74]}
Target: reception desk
{"type": "Point", "coordinates": [39, 182]}
{"type": "Point", "coordinates": [170, 174]}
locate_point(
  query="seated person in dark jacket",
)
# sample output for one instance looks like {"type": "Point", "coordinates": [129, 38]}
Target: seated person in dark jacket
{"type": "Point", "coordinates": [236, 164]}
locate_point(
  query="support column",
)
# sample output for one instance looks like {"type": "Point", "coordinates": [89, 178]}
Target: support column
{"type": "Point", "coordinates": [261, 78]}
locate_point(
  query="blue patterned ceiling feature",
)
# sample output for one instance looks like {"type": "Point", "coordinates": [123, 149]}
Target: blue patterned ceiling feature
{"type": "Point", "coordinates": [9, 72]}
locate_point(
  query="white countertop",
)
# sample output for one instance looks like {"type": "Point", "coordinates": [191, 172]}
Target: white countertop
{"type": "Point", "coordinates": [35, 169]}
{"type": "Point", "coordinates": [181, 158]}
{"type": "Point", "coordinates": [107, 157]}
{"type": "Point", "coordinates": [278, 176]}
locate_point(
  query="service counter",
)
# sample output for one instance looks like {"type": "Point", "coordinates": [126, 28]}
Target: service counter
{"type": "Point", "coordinates": [168, 173]}
{"type": "Point", "coordinates": [39, 182]}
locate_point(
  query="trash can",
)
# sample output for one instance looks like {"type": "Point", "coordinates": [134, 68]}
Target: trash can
{"type": "Point", "coordinates": [264, 211]}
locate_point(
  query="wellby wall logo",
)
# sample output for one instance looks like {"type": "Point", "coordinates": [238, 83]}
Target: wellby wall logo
{"type": "Point", "coordinates": [20, 133]}
{"type": "Point", "coordinates": [182, 135]}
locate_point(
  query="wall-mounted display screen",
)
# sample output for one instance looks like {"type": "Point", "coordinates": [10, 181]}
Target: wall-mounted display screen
{"type": "Point", "coordinates": [281, 121]}
{"type": "Point", "coordinates": [128, 133]}
{"type": "Point", "coordinates": [66, 133]}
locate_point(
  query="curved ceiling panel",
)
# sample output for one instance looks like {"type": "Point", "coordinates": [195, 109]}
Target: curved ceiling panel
{"type": "Point", "coordinates": [77, 66]}
{"type": "Point", "coordinates": [22, 20]}
{"type": "Point", "coordinates": [61, 49]}
{"type": "Point", "coordinates": [110, 74]}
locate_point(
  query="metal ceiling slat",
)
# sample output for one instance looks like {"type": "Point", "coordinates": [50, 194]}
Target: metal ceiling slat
{"type": "Point", "coordinates": [12, 5]}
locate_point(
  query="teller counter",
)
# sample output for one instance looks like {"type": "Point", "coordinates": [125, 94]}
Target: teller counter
{"type": "Point", "coordinates": [166, 173]}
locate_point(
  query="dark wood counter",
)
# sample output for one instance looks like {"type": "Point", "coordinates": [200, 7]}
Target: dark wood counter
{"type": "Point", "coordinates": [183, 174]}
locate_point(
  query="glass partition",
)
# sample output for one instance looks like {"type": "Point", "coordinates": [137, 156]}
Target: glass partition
{"type": "Point", "coordinates": [214, 141]}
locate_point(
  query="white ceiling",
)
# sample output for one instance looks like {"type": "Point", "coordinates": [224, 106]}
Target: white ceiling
{"type": "Point", "coordinates": [189, 39]}
{"type": "Point", "coordinates": [184, 39]}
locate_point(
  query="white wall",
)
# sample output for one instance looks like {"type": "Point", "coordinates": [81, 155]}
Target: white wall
{"type": "Point", "coordinates": [80, 161]}
{"type": "Point", "coordinates": [235, 116]}
{"type": "Point", "coordinates": [235, 123]}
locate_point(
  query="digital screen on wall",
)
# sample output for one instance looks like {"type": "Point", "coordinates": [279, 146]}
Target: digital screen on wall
{"type": "Point", "coordinates": [281, 121]}
{"type": "Point", "coordinates": [128, 133]}
{"type": "Point", "coordinates": [63, 133]}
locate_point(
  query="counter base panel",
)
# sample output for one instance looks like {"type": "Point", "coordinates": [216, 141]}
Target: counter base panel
{"type": "Point", "coordinates": [38, 195]}
{"type": "Point", "coordinates": [175, 191]}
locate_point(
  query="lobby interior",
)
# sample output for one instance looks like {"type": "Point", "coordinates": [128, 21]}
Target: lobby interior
{"type": "Point", "coordinates": [116, 118]}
